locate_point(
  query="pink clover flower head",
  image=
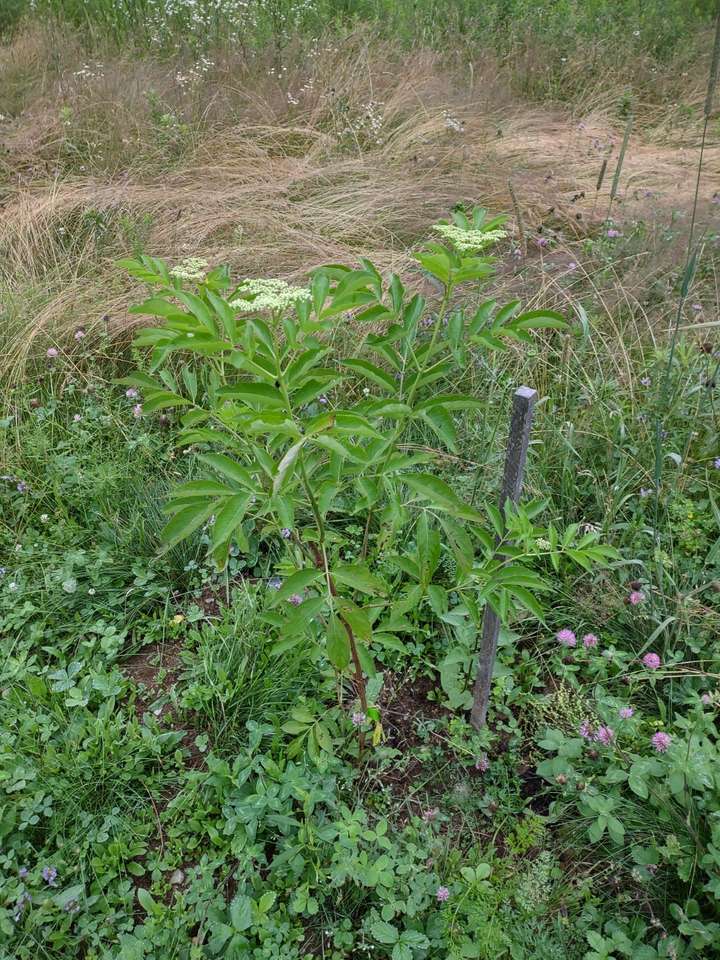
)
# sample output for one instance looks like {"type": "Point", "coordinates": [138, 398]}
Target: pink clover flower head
{"type": "Point", "coordinates": [482, 764]}
{"type": "Point", "coordinates": [652, 661]}
{"type": "Point", "coordinates": [636, 597]}
{"type": "Point", "coordinates": [613, 233]}
{"type": "Point", "coordinates": [131, 393]}
{"type": "Point", "coordinates": [429, 815]}
{"type": "Point", "coordinates": [442, 894]}
{"type": "Point", "coordinates": [604, 735]}
{"type": "Point", "coordinates": [296, 599]}
{"type": "Point", "coordinates": [358, 718]}
{"type": "Point", "coordinates": [585, 730]}
{"type": "Point", "coordinates": [661, 741]}
{"type": "Point", "coordinates": [541, 242]}
{"type": "Point", "coordinates": [77, 417]}
{"type": "Point", "coordinates": [706, 698]}
{"type": "Point", "coordinates": [626, 713]}
{"type": "Point", "coordinates": [590, 640]}
{"type": "Point", "coordinates": [79, 334]}
{"type": "Point", "coordinates": [697, 307]}
{"type": "Point", "coordinates": [137, 411]}
{"type": "Point", "coordinates": [52, 353]}
{"type": "Point", "coordinates": [566, 637]}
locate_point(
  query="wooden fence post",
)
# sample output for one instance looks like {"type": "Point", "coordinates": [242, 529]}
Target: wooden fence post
{"type": "Point", "coordinates": [515, 457]}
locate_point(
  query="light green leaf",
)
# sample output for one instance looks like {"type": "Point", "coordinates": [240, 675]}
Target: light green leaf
{"type": "Point", "coordinates": [185, 522]}
{"type": "Point", "coordinates": [440, 494]}
{"type": "Point", "coordinates": [358, 577]}
{"type": "Point", "coordinates": [296, 583]}
{"type": "Point", "coordinates": [286, 464]}
{"type": "Point", "coordinates": [229, 468]}
{"type": "Point", "coordinates": [337, 644]}
{"type": "Point", "coordinates": [229, 517]}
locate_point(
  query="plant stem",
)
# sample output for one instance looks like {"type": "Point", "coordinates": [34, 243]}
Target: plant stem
{"type": "Point", "coordinates": [410, 397]}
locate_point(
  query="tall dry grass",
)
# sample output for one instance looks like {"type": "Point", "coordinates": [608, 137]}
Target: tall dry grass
{"type": "Point", "coordinates": [348, 150]}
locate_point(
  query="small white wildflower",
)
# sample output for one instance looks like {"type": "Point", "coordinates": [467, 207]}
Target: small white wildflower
{"type": "Point", "coordinates": [44, 518]}
{"type": "Point", "coordinates": [453, 123]}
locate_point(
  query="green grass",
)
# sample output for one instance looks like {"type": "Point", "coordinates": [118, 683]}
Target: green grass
{"type": "Point", "coordinates": [659, 25]}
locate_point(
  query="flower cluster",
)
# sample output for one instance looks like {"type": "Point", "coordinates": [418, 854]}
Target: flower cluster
{"type": "Point", "coordinates": [566, 637]}
{"type": "Point", "coordinates": [192, 268]}
{"type": "Point", "coordinates": [468, 241]}
{"type": "Point", "coordinates": [268, 295]}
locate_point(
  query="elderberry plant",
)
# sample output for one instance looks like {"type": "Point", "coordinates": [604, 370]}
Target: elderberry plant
{"type": "Point", "coordinates": [299, 442]}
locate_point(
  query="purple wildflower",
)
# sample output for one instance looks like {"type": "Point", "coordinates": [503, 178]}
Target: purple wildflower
{"type": "Point", "coordinates": [651, 661]}
{"type": "Point", "coordinates": [275, 583]}
{"type": "Point", "coordinates": [23, 872]}
{"type": "Point", "coordinates": [572, 265]}
{"type": "Point", "coordinates": [636, 597]}
{"type": "Point", "coordinates": [566, 637]}
{"type": "Point", "coordinates": [77, 418]}
{"type": "Point", "coordinates": [604, 735]}
{"type": "Point", "coordinates": [590, 640]}
{"type": "Point", "coordinates": [52, 353]}
{"type": "Point", "coordinates": [482, 764]}
{"type": "Point", "coordinates": [429, 815]}
{"type": "Point", "coordinates": [645, 381]}
{"type": "Point", "coordinates": [697, 307]}
{"type": "Point", "coordinates": [442, 894]}
{"type": "Point", "coordinates": [296, 599]}
{"type": "Point", "coordinates": [585, 730]}
{"type": "Point", "coordinates": [706, 698]}
{"type": "Point", "coordinates": [286, 533]}
{"type": "Point", "coordinates": [21, 487]}
{"type": "Point", "coordinates": [542, 241]}
{"type": "Point", "coordinates": [358, 718]}
{"type": "Point", "coordinates": [645, 492]}
{"type": "Point", "coordinates": [660, 741]}
{"type": "Point", "coordinates": [49, 875]}
{"type": "Point", "coordinates": [716, 464]}
{"type": "Point", "coordinates": [626, 713]}
{"type": "Point", "coordinates": [131, 393]}
{"type": "Point", "coordinates": [79, 334]}
{"type": "Point", "coordinates": [613, 234]}
{"type": "Point", "coordinates": [22, 902]}
{"type": "Point", "coordinates": [137, 411]}
{"type": "Point", "coordinates": [323, 400]}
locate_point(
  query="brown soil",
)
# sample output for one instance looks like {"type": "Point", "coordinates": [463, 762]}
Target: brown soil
{"type": "Point", "coordinates": [155, 670]}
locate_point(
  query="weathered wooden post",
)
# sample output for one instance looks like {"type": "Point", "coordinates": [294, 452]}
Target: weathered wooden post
{"type": "Point", "coordinates": [517, 448]}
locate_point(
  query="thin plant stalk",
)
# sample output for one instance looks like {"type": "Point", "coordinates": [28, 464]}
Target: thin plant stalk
{"type": "Point", "coordinates": [688, 274]}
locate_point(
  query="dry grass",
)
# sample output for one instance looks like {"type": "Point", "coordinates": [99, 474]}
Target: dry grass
{"type": "Point", "coordinates": [241, 175]}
